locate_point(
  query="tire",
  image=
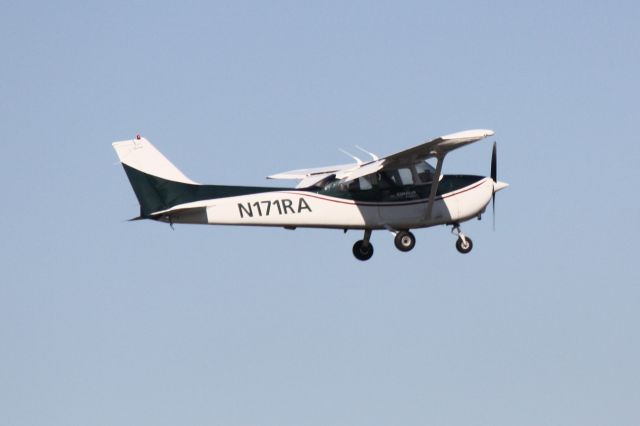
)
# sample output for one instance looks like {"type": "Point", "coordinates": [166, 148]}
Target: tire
{"type": "Point", "coordinates": [362, 251]}
{"type": "Point", "coordinates": [405, 241]}
{"type": "Point", "coordinates": [462, 247]}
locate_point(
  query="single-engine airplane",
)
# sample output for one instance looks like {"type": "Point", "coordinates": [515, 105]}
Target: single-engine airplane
{"type": "Point", "coordinates": [399, 192]}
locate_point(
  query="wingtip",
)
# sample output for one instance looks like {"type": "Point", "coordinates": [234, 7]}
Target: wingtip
{"type": "Point", "coordinates": [470, 134]}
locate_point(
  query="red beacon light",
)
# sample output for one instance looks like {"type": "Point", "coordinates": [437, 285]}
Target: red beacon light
{"type": "Point", "coordinates": [138, 137]}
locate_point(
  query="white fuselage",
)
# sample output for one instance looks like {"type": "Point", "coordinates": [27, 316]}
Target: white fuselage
{"type": "Point", "coordinates": [292, 208]}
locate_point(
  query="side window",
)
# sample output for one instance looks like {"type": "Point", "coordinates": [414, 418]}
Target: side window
{"type": "Point", "coordinates": [360, 184]}
{"type": "Point", "coordinates": [385, 179]}
{"type": "Point", "coordinates": [354, 185]}
{"type": "Point", "coordinates": [364, 183]}
{"type": "Point", "coordinates": [395, 177]}
{"type": "Point", "coordinates": [405, 176]}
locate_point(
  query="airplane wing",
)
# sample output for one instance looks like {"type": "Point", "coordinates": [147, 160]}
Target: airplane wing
{"type": "Point", "coordinates": [435, 148]}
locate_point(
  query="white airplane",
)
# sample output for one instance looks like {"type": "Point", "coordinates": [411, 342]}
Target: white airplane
{"type": "Point", "coordinates": [398, 193]}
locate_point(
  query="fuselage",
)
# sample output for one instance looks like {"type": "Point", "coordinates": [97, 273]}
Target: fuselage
{"type": "Point", "coordinates": [399, 192]}
{"type": "Point", "coordinates": [459, 198]}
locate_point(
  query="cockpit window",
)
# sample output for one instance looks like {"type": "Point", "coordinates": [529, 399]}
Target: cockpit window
{"type": "Point", "coordinates": [424, 172]}
{"type": "Point", "coordinates": [360, 184]}
{"type": "Point", "coordinates": [417, 174]}
{"type": "Point", "coordinates": [387, 178]}
{"type": "Point", "coordinates": [365, 183]}
{"type": "Point", "coordinates": [406, 177]}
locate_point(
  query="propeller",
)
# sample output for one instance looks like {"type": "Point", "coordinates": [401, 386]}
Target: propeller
{"type": "Point", "coordinates": [494, 177]}
{"type": "Point", "coordinates": [497, 185]}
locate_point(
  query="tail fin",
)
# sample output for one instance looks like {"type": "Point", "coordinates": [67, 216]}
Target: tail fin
{"type": "Point", "coordinates": [157, 183]}
{"type": "Point", "coordinates": [141, 155]}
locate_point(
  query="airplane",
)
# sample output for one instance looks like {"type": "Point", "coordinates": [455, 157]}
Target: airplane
{"type": "Point", "coordinates": [397, 193]}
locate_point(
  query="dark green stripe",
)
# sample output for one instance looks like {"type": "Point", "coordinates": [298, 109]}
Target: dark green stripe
{"type": "Point", "coordinates": [155, 194]}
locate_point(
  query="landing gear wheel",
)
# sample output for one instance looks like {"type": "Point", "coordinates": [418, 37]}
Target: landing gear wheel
{"type": "Point", "coordinates": [464, 246]}
{"type": "Point", "coordinates": [362, 251]}
{"type": "Point", "coordinates": [404, 241]}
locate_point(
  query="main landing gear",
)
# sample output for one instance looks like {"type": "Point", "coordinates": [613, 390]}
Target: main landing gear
{"type": "Point", "coordinates": [363, 249]}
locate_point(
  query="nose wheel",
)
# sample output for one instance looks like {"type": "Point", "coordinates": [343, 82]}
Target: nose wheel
{"type": "Point", "coordinates": [463, 243]}
{"type": "Point", "coordinates": [464, 246]}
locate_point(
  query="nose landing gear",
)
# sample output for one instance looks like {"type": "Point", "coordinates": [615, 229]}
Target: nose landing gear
{"type": "Point", "coordinates": [463, 243]}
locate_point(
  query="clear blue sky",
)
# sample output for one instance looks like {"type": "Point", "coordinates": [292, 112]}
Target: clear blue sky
{"type": "Point", "coordinates": [106, 322]}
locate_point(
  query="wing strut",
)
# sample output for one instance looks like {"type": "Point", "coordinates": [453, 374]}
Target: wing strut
{"type": "Point", "coordinates": [434, 185]}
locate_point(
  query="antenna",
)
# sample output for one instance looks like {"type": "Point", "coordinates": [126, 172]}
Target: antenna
{"type": "Point", "coordinates": [374, 156]}
{"type": "Point", "coordinates": [359, 161]}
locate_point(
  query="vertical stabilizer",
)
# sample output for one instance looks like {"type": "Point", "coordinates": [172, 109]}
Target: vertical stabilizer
{"type": "Point", "coordinates": [141, 155]}
{"type": "Point", "coordinates": [157, 183]}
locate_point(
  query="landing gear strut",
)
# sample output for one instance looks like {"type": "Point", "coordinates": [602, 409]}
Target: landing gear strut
{"type": "Point", "coordinates": [363, 249]}
{"type": "Point", "coordinates": [464, 243]}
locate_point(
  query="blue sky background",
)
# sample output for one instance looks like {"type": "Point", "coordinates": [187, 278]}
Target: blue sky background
{"type": "Point", "coordinates": [106, 322]}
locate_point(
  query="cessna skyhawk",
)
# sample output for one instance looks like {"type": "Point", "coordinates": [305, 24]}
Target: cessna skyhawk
{"type": "Point", "coordinates": [399, 192]}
